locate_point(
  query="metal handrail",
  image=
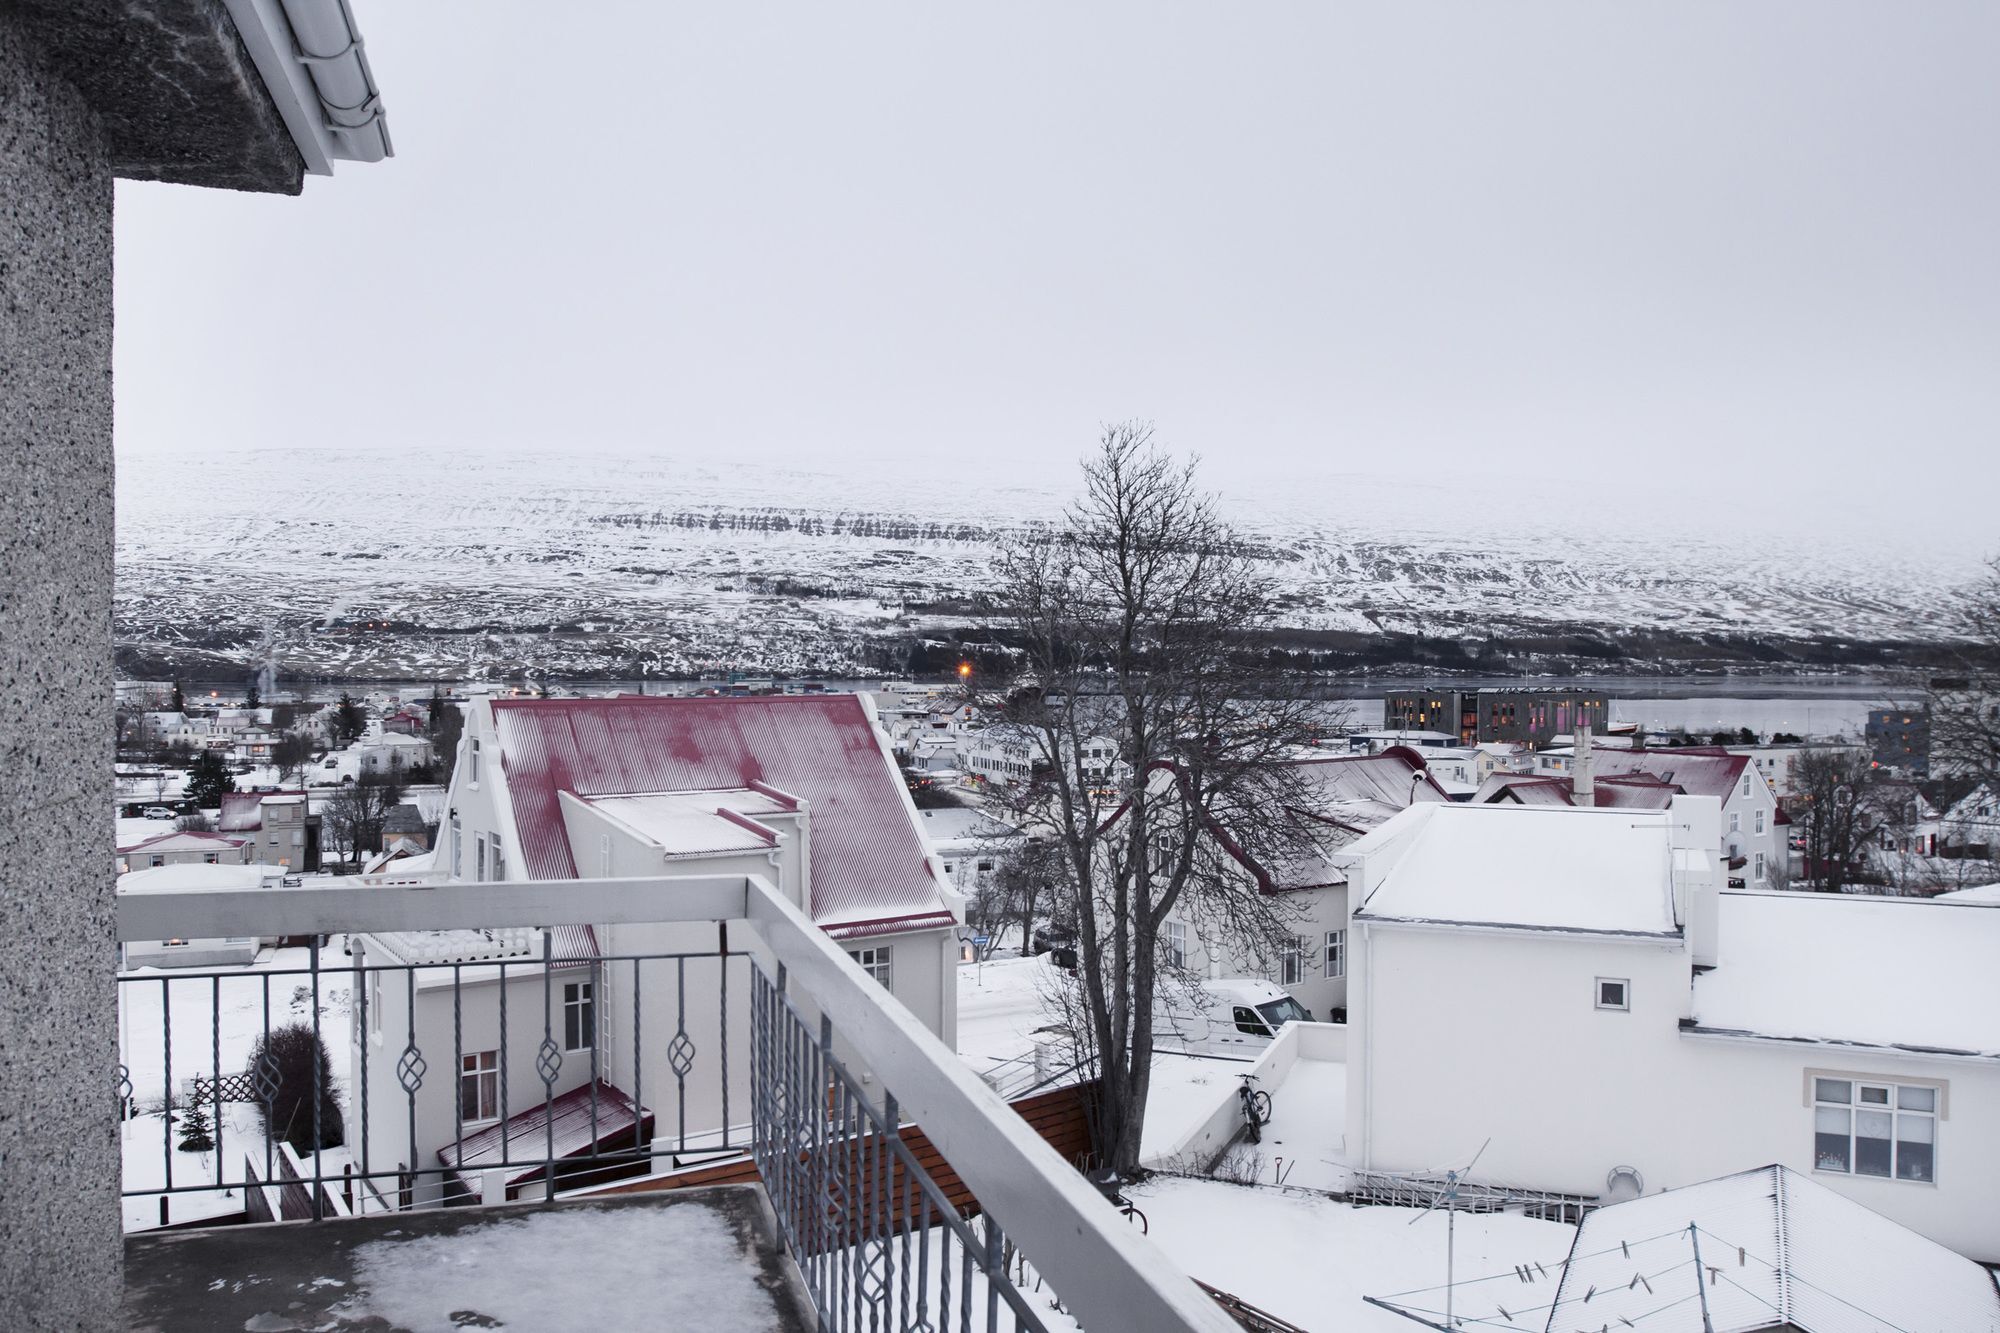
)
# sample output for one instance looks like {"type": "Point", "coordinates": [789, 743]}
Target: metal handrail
{"type": "Point", "coordinates": [1107, 1275]}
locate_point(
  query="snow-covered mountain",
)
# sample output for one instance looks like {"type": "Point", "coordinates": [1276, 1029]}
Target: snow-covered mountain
{"type": "Point", "coordinates": [467, 562]}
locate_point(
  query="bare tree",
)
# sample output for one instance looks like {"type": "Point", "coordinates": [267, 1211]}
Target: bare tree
{"type": "Point", "coordinates": [1963, 701]}
{"type": "Point", "coordinates": [353, 819]}
{"type": "Point", "coordinates": [1139, 614]}
{"type": "Point", "coordinates": [1832, 811]}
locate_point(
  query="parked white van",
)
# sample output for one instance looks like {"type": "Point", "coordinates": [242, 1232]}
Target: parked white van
{"type": "Point", "coordinates": [1230, 1016]}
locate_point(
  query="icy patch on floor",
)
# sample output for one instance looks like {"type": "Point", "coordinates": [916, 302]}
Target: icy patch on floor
{"type": "Point", "coordinates": [568, 1272]}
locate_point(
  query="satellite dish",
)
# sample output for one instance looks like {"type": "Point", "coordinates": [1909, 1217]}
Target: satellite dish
{"type": "Point", "coordinates": [1624, 1182]}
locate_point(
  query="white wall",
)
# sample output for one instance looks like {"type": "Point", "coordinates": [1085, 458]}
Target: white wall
{"type": "Point", "coordinates": [1460, 1035]}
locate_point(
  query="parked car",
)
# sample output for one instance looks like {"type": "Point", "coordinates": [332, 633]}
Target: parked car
{"type": "Point", "coordinates": [1236, 1016]}
{"type": "Point", "coordinates": [157, 812]}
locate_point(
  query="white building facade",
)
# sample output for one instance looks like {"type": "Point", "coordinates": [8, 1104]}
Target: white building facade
{"type": "Point", "coordinates": [1574, 990]}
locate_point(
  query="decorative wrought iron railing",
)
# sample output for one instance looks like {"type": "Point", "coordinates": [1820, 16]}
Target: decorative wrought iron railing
{"type": "Point", "coordinates": [805, 1064]}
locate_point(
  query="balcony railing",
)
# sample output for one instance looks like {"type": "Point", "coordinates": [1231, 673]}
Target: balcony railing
{"type": "Point", "coordinates": [784, 1058]}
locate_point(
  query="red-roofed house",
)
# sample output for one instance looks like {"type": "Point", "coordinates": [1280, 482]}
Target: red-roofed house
{"type": "Point", "coordinates": [178, 849]}
{"type": "Point", "coordinates": [1649, 780]}
{"type": "Point", "coordinates": [801, 789]}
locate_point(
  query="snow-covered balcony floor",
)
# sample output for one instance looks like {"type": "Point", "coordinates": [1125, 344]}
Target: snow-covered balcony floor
{"type": "Point", "coordinates": [695, 1258]}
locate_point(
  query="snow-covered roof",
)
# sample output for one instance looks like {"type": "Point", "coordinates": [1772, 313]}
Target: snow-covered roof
{"type": "Point", "coordinates": [1698, 772]}
{"type": "Point", "coordinates": [693, 823]}
{"type": "Point", "coordinates": [190, 841]}
{"type": "Point", "coordinates": [1596, 871]}
{"type": "Point", "coordinates": [964, 824]}
{"type": "Point", "coordinates": [1903, 973]}
{"type": "Point", "coordinates": [1983, 893]}
{"type": "Point", "coordinates": [1778, 1249]}
{"type": "Point", "coordinates": [199, 876]}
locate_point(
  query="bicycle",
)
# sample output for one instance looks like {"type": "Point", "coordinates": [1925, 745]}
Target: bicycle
{"type": "Point", "coordinates": [1256, 1106]}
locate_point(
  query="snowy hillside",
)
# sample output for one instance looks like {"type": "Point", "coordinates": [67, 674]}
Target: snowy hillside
{"type": "Point", "coordinates": [463, 562]}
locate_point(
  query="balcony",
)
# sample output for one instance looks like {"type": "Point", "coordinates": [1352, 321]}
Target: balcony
{"type": "Point", "coordinates": [739, 1120]}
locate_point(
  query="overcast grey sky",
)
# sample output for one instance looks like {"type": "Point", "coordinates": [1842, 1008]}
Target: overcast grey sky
{"type": "Point", "coordinates": [1390, 238]}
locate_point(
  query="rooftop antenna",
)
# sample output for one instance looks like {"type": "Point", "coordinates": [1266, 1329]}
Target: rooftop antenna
{"type": "Point", "coordinates": [1448, 1196]}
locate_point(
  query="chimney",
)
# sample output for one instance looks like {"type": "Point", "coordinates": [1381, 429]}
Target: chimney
{"type": "Point", "coordinates": [1583, 780]}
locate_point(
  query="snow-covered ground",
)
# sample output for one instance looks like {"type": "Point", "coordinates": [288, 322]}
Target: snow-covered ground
{"type": "Point", "coordinates": [176, 1027]}
{"type": "Point", "coordinates": [1303, 1144]}
{"type": "Point", "coordinates": [694, 565]}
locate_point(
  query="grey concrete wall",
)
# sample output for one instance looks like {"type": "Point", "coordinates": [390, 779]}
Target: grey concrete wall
{"type": "Point", "coordinates": [59, 1231]}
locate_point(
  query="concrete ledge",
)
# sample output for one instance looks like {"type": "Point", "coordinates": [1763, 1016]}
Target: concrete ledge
{"type": "Point", "coordinates": [705, 1258]}
{"type": "Point", "coordinates": [173, 87]}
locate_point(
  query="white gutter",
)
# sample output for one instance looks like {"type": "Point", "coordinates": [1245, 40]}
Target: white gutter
{"type": "Point", "coordinates": [312, 60]}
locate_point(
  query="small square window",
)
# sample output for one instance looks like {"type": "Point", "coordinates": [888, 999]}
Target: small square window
{"type": "Point", "coordinates": [1613, 993]}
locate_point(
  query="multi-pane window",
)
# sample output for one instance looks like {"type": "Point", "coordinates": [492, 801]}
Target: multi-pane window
{"type": "Point", "coordinates": [1760, 821]}
{"type": "Point", "coordinates": [579, 1016]}
{"type": "Point", "coordinates": [1760, 867]}
{"type": "Point", "coordinates": [479, 1086]}
{"type": "Point", "coordinates": [1292, 960]}
{"type": "Point", "coordinates": [473, 756]}
{"type": "Point", "coordinates": [1875, 1129]}
{"type": "Point", "coordinates": [499, 859]}
{"type": "Point", "coordinates": [1173, 944]}
{"type": "Point", "coordinates": [874, 961]}
{"type": "Point", "coordinates": [457, 856]}
{"type": "Point", "coordinates": [1336, 953]}
{"type": "Point", "coordinates": [1735, 821]}
{"type": "Point", "coordinates": [479, 851]}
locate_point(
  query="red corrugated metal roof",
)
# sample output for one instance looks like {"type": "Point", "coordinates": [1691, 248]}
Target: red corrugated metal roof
{"type": "Point", "coordinates": [868, 861]}
{"type": "Point", "coordinates": [1698, 772]}
{"type": "Point", "coordinates": [580, 1123]}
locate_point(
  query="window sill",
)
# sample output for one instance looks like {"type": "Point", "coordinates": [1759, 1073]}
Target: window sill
{"type": "Point", "coordinates": [1886, 1180]}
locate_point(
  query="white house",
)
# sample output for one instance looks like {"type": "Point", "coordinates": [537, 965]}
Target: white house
{"type": "Point", "coordinates": [800, 789]}
{"type": "Point", "coordinates": [190, 848]}
{"type": "Point", "coordinates": [969, 842]}
{"type": "Point", "coordinates": [1572, 989]}
{"type": "Point", "coordinates": [278, 826]}
{"type": "Point", "coordinates": [187, 876]}
{"type": "Point", "coordinates": [1350, 795]}
{"type": "Point", "coordinates": [1972, 827]}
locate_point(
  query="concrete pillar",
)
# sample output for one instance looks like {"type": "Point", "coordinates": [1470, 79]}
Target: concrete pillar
{"type": "Point", "coordinates": [60, 1248]}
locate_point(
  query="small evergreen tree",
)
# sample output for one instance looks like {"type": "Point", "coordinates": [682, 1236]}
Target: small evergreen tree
{"type": "Point", "coordinates": [254, 698]}
{"type": "Point", "coordinates": [179, 700]}
{"type": "Point", "coordinates": [197, 1135]}
{"type": "Point", "coordinates": [208, 778]}
{"type": "Point", "coordinates": [348, 721]}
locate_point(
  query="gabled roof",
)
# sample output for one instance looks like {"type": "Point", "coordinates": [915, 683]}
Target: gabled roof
{"type": "Point", "coordinates": [869, 867]}
{"type": "Point", "coordinates": [192, 840]}
{"type": "Point", "coordinates": [1696, 770]}
{"type": "Point", "coordinates": [1631, 791]}
{"type": "Point", "coordinates": [1778, 1250]}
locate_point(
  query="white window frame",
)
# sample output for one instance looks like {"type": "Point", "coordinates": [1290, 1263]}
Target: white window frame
{"type": "Point", "coordinates": [1760, 821]}
{"type": "Point", "coordinates": [1828, 1108]}
{"type": "Point", "coordinates": [482, 1070]}
{"type": "Point", "coordinates": [1173, 944]}
{"type": "Point", "coordinates": [579, 1015]}
{"type": "Point", "coordinates": [1292, 957]}
{"type": "Point", "coordinates": [1735, 821]}
{"type": "Point", "coordinates": [472, 759]}
{"type": "Point", "coordinates": [1623, 1004]}
{"type": "Point", "coordinates": [479, 855]}
{"type": "Point", "coordinates": [1759, 867]}
{"type": "Point", "coordinates": [875, 960]}
{"type": "Point", "coordinates": [457, 847]}
{"type": "Point", "coordinates": [1336, 954]}
{"type": "Point", "coordinates": [499, 859]}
